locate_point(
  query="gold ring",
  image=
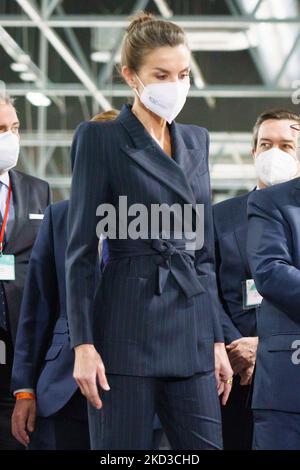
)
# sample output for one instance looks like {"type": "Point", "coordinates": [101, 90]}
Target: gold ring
{"type": "Point", "coordinates": [228, 381]}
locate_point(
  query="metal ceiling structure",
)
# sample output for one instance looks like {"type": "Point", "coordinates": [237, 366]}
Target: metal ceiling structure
{"type": "Point", "coordinates": [245, 57]}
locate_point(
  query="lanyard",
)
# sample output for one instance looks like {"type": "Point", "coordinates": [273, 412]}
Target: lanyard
{"type": "Point", "coordinates": [5, 219]}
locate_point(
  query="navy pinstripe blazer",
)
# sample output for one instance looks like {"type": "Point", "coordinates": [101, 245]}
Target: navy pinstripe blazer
{"type": "Point", "coordinates": [135, 330]}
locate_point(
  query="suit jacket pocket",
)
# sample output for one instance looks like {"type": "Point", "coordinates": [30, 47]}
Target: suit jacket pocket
{"type": "Point", "coordinates": [123, 314]}
{"type": "Point", "coordinates": [280, 363]}
{"type": "Point", "coordinates": [35, 223]}
{"type": "Point", "coordinates": [283, 342]}
{"type": "Point", "coordinates": [53, 352]}
{"type": "Point", "coordinates": [61, 325]}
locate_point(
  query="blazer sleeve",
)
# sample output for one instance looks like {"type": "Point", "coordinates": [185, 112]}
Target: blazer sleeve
{"type": "Point", "coordinates": [39, 309]}
{"type": "Point", "coordinates": [89, 189]}
{"type": "Point", "coordinates": [205, 259]}
{"type": "Point", "coordinates": [269, 248]}
{"type": "Point", "coordinates": [231, 333]}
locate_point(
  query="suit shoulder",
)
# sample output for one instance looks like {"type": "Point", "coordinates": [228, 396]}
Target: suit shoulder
{"type": "Point", "coordinates": [60, 207]}
{"type": "Point", "coordinates": [32, 180]}
{"type": "Point", "coordinates": [197, 129]}
{"type": "Point", "coordinates": [188, 129]}
{"type": "Point", "coordinates": [89, 140]}
{"type": "Point", "coordinates": [95, 127]}
{"type": "Point", "coordinates": [195, 137]}
{"type": "Point", "coordinates": [273, 194]}
{"type": "Point", "coordinates": [230, 205]}
{"type": "Point", "coordinates": [230, 215]}
{"type": "Point", "coordinates": [273, 200]}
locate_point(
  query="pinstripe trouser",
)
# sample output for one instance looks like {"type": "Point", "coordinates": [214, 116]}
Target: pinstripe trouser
{"type": "Point", "coordinates": [188, 408]}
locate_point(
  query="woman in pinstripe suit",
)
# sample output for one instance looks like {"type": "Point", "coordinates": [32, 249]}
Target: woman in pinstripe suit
{"type": "Point", "coordinates": [150, 339]}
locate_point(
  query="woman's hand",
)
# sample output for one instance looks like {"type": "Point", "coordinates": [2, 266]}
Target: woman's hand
{"type": "Point", "coordinates": [88, 369]}
{"type": "Point", "coordinates": [224, 372]}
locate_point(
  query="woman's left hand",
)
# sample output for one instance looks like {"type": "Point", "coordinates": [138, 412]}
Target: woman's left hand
{"type": "Point", "coordinates": [223, 371]}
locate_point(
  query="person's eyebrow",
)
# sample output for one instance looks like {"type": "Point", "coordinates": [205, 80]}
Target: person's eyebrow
{"type": "Point", "coordinates": [17, 123]}
{"type": "Point", "coordinates": [167, 71]}
{"type": "Point", "coordinates": [289, 141]}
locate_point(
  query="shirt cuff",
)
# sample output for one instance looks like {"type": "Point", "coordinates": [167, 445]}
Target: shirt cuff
{"type": "Point", "coordinates": [22, 390]}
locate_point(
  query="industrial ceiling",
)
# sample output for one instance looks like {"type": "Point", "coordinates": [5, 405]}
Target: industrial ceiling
{"type": "Point", "coordinates": [58, 58]}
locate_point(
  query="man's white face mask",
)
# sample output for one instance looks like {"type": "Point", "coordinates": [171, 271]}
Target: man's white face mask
{"type": "Point", "coordinates": [275, 166]}
{"type": "Point", "coordinates": [9, 151]}
{"type": "Point", "coordinates": [164, 99]}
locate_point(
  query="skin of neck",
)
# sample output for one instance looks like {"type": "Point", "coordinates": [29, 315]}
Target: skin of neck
{"type": "Point", "coordinates": [260, 184]}
{"type": "Point", "coordinates": [155, 125]}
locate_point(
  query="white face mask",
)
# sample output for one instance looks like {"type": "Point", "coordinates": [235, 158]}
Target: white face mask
{"type": "Point", "coordinates": [9, 150]}
{"type": "Point", "coordinates": [275, 166]}
{"type": "Point", "coordinates": [165, 99]}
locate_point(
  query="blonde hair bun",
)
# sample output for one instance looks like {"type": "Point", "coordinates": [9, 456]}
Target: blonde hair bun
{"type": "Point", "coordinates": [138, 19]}
{"type": "Point", "coordinates": [145, 33]}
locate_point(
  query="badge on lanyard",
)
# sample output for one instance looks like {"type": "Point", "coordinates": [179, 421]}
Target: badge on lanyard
{"type": "Point", "coordinates": [251, 296]}
{"type": "Point", "coordinates": [7, 262]}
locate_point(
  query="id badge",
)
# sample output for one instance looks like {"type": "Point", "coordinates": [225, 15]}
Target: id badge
{"type": "Point", "coordinates": [7, 268]}
{"type": "Point", "coordinates": [251, 297]}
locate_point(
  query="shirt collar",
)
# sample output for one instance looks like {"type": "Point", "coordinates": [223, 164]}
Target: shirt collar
{"type": "Point", "coordinates": [4, 178]}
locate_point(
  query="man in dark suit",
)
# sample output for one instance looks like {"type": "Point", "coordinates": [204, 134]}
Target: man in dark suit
{"type": "Point", "coordinates": [231, 225]}
{"type": "Point", "coordinates": [274, 258]}
{"type": "Point", "coordinates": [230, 220]}
{"type": "Point", "coordinates": [43, 360]}
{"type": "Point", "coordinates": [23, 200]}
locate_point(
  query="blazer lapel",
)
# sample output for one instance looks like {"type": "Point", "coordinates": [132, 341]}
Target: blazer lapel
{"type": "Point", "coordinates": [20, 201]}
{"type": "Point", "coordinates": [297, 190]}
{"type": "Point", "coordinates": [240, 232]}
{"type": "Point", "coordinates": [188, 159]}
{"type": "Point", "coordinates": [174, 172]}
